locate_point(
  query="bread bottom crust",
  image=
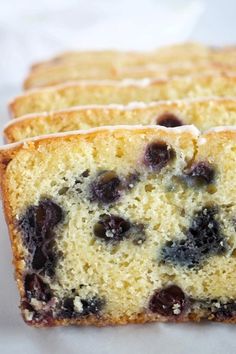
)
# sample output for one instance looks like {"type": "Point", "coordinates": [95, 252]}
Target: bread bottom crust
{"type": "Point", "coordinates": [142, 318]}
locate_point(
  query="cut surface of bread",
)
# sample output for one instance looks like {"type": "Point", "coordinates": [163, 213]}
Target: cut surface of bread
{"type": "Point", "coordinates": [203, 113]}
{"type": "Point", "coordinates": [182, 59]}
{"type": "Point", "coordinates": [124, 92]}
{"type": "Point", "coordinates": [121, 225]}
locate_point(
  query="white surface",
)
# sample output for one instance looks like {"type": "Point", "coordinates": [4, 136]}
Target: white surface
{"type": "Point", "coordinates": [27, 36]}
{"type": "Point", "coordinates": [31, 30]}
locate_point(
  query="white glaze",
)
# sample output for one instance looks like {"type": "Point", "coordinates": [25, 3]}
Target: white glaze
{"type": "Point", "coordinates": [129, 107]}
{"type": "Point", "coordinates": [121, 83]}
{"type": "Point", "coordinates": [185, 128]}
{"type": "Point", "coordinates": [222, 128]}
{"type": "Point", "coordinates": [202, 140]}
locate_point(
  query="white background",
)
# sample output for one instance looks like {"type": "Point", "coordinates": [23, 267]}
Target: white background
{"type": "Point", "coordinates": [34, 30]}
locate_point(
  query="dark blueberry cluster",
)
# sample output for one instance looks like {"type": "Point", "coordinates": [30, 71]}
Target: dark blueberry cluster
{"type": "Point", "coordinates": [37, 226]}
{"type": "Point", "coordinates": [169, 120]}
{"type": "Point", "coordinates": [201, 173]}
{"type": "Point", "coordinates": [170, 301]}
{"type": "Point", "coordinates": [203, 238]}
{"type": "Point", "coordinates": [91, 306]}
{"type": "Point", "coordinates": [157, 155]}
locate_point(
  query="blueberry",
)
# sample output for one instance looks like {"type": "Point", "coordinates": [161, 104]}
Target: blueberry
{"type": "Point", "coordinates": [183, 253]}
{"type": "Point", "coordinates": [48, 215]}
{"type": "Point", "coordinates": [205, 232]}
{"type": "Point", "coordinates": [157, 155]}
{"type": "Point", "coordinates": [90, 306]}
{"type": "Point", "coordinates": [28, 224]}
{"type": "Point", "coordinates": [169, 120]}
{"type": "Point", "coordinates": [44, 260]}
{"type": "Point", "coordinates": [106, 188]}
{"type": "Point", "coordinates": [38, 221]}
{"type": "Point", "coordinates": [39, 259]}
{"type": "Point", "coordinates": [203, 238]}
{"type": "Point", "coordinates": [36, 288]}
{"type": "Point", "coordinates": [68, 310]}
{"type": "Point", "coordinates": [111, 228]}
{"type": "Point", "coordinates": [225, 311]}
{"type": "Point", "coordinates": [170, 301]}
{"type": "Point", "coordinates": [46, 317]}
{"type": "Point", "coordinates": [37, 230]}
{"type": "Point", "coordinates": [201, 173]}
{"type": "Point", "coordinates": [25, 305]}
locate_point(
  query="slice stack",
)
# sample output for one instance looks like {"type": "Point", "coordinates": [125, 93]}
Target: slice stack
{"type": "Point", "coordinates": [131, 223]}
{"type": "Point", "coordinates": [178, 60]}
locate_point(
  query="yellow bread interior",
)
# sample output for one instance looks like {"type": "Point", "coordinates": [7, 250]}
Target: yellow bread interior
{"type": "Point", "coordinates": [124, 274]}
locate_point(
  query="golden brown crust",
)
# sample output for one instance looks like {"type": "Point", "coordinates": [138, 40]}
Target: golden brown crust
{"type": "Point", "coordinates": [140, 318]}
{"type": "Point", "coordinates": [16, 244]}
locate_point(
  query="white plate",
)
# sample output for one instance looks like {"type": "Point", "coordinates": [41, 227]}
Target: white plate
{"type": "Point", "coordinates": [17, 338]}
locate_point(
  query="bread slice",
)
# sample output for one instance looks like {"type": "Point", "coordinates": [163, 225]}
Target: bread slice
{"type": "Point", "coordinates": [180, 59]}
{"type": "Point", "coordinates": [121, 225]}
{"type": "Point", "coordinates": [182, 51]}
{"type": "Point", "coordinates": [124, 92]}
{"type": "Point", "coordinates": [203, 113]}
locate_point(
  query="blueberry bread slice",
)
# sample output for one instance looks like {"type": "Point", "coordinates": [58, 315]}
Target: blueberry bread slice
{"type": "Point", "coordinates": [203, 113]}
{"type": "Point", "coordinates": [124, 224]}
{"type": "Point", "coordinates": [124, 92]}
{"type": "Point", "coordinates": [184, 59]}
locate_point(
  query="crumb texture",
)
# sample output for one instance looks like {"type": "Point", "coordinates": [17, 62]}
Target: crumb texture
{"type": "Point", "coordinates": [124, 224]}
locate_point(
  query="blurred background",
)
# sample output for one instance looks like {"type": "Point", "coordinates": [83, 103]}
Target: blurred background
{"type": "Point", "coordinates": [35, 30]}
